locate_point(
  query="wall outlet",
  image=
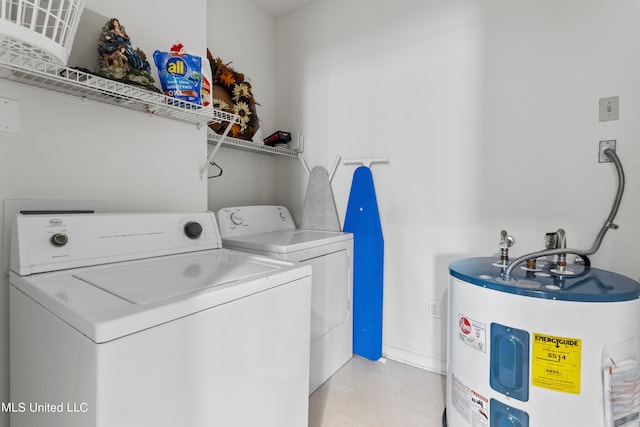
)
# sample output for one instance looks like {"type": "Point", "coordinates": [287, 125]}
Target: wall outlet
{"type": "Point", "coordinates": [434, 309]}
{"type": "Point", "coordinates": [602, 157]}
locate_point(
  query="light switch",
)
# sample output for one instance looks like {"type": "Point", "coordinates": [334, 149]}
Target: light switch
{"type": "Point", "coordinates": [609, 109]}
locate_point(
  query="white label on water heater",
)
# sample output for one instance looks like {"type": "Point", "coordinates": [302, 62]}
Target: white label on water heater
{"type": "Point", "coordinates": [472, 333]}
{"type": "Point", "coordinates": [472, 406]}
{"type": "Point", "coordinates": [622, 393]}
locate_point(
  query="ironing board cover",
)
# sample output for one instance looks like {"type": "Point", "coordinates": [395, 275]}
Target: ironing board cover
{"type": "Point", "coordinates": [319, 210]}
{"type": "Point", "coordinates": [363, 220]}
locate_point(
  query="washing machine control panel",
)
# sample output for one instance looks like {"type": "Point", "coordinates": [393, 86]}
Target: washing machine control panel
{"type": "Point", "coordinates": [244, 220]}
{"type": "Point", "coordinates": [52, 242]}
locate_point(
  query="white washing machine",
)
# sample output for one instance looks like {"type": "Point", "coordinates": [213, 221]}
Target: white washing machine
{"type": "Point", "coordinates": [133, 320]}
{"type": "Point", "coordinates": [271, 231]}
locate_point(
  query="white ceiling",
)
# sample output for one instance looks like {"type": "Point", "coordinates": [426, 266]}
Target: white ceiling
{"type": "Point", "coordinates": [278, 8]}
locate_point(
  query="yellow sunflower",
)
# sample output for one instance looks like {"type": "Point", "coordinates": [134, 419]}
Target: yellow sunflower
{"type": "Point", "coordinates": [241, 91]}
{"type": "Point", "coordinates": [219, 104]}
{"type": "Point", "coordinates": [243, 110]}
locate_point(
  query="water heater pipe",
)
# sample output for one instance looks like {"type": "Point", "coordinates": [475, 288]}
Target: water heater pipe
{"type": "Point", "coordinates": [596, 245]}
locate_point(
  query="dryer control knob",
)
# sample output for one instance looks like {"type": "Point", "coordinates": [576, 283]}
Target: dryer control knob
{"type": "Point", "coordinates": [59, 239]}
{"type": "Point", "coordinates": [193, 229]}
{"type": "Point", "coordinates": [236, 218]}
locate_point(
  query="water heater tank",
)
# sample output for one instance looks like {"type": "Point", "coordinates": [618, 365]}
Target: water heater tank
{"type": "Point", "coordinates": [543, 350]}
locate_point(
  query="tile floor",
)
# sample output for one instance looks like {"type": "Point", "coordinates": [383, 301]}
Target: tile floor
{"type": "Point", "coordinates": [378, 394]}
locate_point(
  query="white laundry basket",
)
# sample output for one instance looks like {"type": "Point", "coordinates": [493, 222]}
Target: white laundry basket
{"type": "Point", "coordinates": [41, 28]}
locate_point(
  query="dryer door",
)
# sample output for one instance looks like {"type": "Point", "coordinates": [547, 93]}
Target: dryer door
{"type": "Point", "coordinates": [330, 296]}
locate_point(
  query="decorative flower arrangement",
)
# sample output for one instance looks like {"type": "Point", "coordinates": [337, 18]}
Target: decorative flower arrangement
{"type": "Point", "coordinates": [232, 93]}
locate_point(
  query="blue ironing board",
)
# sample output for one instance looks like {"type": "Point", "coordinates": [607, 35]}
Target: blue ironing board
{"type": "Point", "coordinates": [363, 220]}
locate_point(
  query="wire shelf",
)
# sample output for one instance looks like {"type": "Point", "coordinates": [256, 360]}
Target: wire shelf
{"type": "Point", "coordinates": [20, 66]}
{"type": "Point", "coordinates": [241, 144]}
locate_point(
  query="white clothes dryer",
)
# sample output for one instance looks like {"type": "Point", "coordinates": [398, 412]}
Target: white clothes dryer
{"type": "Point", "coordinates": [271, 231]}
{"type": "Point", "coordinates": [136, 320]}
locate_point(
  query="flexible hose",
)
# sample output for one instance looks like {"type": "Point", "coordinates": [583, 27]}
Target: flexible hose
{"type": "Point", "coordinates": [605, 227]}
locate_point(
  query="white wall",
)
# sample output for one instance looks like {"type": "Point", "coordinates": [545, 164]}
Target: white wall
{"type": "Point", "coordinates": [75, 149]}
{"type": "Point", "coordinates": [488, 112]}
{"type": "Point", "coordinates": [244, 35]}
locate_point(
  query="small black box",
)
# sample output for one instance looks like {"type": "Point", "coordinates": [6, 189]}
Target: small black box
{"type": "Point", "coordinates": [278, 137]}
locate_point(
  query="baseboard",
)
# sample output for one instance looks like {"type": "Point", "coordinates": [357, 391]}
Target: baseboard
{"type": "Point", "coordinates": [414, 359]}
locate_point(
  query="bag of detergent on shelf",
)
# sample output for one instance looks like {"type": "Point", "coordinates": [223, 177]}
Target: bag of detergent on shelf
{"type": "Point", "coordinates": [180, 74]}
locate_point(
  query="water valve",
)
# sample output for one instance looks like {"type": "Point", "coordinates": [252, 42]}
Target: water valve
{"type": "Point", "coordinates": [506, 242]}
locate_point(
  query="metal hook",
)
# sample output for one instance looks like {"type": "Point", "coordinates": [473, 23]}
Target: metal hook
{"type": "Point", "coordinates": [305, 166]}
{"type": "Point", "coordinates": [366, 161]}
{"type": "Point", "coordinates": [335, 167]}
{"type": "Point", "coordinates": [336, 163]}
{"type": "Point", "coordinates": [212, 163]}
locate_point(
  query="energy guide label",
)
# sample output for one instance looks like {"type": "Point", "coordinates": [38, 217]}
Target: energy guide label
{"type": "Point", "coordinates": [556, 363]}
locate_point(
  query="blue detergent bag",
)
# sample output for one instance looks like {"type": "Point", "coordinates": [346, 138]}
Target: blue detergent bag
{"type": "Point", "coordinates": [180, 74]}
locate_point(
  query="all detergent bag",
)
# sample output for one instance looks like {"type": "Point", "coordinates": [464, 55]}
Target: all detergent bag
{"type": "Point", "coordinates": [180, 74]}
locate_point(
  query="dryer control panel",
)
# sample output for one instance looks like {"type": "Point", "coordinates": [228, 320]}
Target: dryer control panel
{"type": "Point", "coordinates": [244, 220]}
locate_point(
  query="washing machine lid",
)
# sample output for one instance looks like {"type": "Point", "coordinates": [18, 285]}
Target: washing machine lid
{"type": "Point", "coordinates": [168, 278]}
{"type": "Point", "coordinates": [285, 241]}
{"type": "Point", "coordinates": [107, 302]}
{"type": "Point", "coordinates": [581, 284]}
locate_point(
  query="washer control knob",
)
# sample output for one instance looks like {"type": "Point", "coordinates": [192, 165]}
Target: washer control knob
{"type": "Point", "coordinates": [59, 239]}
{"type": "Point", "coordinates": [193, 229]}
{"type": "Point", "coordinates": [236, 218]}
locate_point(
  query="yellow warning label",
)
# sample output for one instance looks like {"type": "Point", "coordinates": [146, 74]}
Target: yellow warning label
{"type": "Point", "coordinates": [555, 363]}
